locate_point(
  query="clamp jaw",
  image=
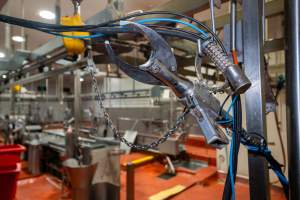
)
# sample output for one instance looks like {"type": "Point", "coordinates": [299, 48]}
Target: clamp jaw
{"type": "Point", "coordinates": [160, 69]}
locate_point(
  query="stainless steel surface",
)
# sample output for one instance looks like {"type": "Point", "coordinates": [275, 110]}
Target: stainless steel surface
{"type": "Point", "coordinates": [34, 157]}
{"type": "Point", "coordinates": [237, 80]}
{"type": "Point", "coordinates": [81, 179]}
{"type": "Point", "coordinates": [161, 67]}
{"type": "Point", "coordinates": [255, 96]}
{"type": "Point", "coordinates": [106, 181]}
{"type": "Point", "coordinates": [292, 28]}
{"type": "Point", "coordinates": [160, 50]}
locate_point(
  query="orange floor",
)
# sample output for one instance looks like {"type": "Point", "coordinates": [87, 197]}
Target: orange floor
{"type": "Point", "coordinates": [205, 184]}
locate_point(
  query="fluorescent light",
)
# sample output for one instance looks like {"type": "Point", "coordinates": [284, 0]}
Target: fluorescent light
{"type": "Point", "coordinates": [46, 14]}
{"type": "Point", "coordinates": [2, 55]}
{"type": "Point", "coordinates": [4, 76]}
{"type": "Point", "coordinates": [18, 38]}
{"type": "Point", "coordinates": [81, 79]}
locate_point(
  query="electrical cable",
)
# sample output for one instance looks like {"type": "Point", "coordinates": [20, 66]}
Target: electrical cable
{"type": "Point", "coordinates": [174, 21]}
{"type": "Point", "coordinates": [223, 104]}
{"type": "Point", "coordinates": [54, 28]}
{"type": "Point", "coordinates": [229, 191]}
{"type": "Point", "coordinates": [274, 165]}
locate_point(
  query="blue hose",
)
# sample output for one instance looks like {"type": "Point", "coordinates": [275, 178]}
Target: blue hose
{"type": "Point", "coordinates": [175, 21]}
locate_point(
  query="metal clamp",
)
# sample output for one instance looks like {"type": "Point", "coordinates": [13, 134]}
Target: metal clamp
{"type": "Point", "coordinates": [160, 69]}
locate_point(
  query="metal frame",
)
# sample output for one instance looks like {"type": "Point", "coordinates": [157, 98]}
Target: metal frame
{"type": "Point", "coordinates": [255, 96]}
{"type": "Point", "coordinates": [292, 36]}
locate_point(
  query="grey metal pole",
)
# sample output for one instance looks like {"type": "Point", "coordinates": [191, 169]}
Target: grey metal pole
{"type": "Point", "coordinates": [77, 100]}
{"type": "Point", "coordinates": [23, 44]}
{"type": "Point", "coordinates": [7, 28]}
{"type": "Point", "coordinates": [233, 25]}
{"type": "Point", "coordinates": [212, 14]}
{"type": "Point", "coordinates": [292, 37]}
{"type": "Point", "coordinates": [255, 96]}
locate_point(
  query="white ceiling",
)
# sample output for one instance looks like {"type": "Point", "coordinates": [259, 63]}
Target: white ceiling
{"type": "Point", "coordinates": [88, 9]}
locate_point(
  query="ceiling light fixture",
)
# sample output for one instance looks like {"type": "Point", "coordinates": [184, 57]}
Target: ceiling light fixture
{"type": "Point", "coordinates": [46, 14]}
{"type": "Point", "coordinates": [2, 55]}
{"type": "Point", "coordinates": [4, 76]}
{"type": "Point", "coordinates": [18, 38]}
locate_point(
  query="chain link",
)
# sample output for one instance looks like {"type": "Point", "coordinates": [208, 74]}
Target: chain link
{"type": "Point", "coordinates": [92, 70]}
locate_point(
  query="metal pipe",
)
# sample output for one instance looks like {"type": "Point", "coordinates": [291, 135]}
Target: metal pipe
{"type": "Point", "coordinates": [292, 31]}
{"type": "Point", "coordinates": [130, 181]}
{"type": "Point", "coordinates": [212, 15]}
{"type": "Point", "coordinates": [23, 44]}
{"type": "Point", "coordinates": [57, 11]}
{"type": "Point", "coordinates": [233, 25]}
{"type": "Point", "coordinates": [77, 100]}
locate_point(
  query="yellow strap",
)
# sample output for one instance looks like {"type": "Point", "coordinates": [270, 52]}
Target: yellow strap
{"type": "Point", "coordinates": [141, 160]}
{"type": "Point", "coordinates": [168, 193]}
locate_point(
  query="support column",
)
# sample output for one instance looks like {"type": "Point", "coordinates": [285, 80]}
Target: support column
{"type": "Point", "coordinates": [77, 100]}
{"type": "Point", "coordinates": [292, 56]}
{"type": "Point", "coordinates": [255, 96]}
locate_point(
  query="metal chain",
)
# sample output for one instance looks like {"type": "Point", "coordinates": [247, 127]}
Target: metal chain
{"type": "Point", "coordinates": [92, 70]}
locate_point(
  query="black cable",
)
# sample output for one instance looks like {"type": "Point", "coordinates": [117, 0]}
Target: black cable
{"type": "Point", "coordinates": [237, 127]}
{"type": "Point", "coordinates": [60, 28]}
{"type": "Point", "coordinates": [223, 104]}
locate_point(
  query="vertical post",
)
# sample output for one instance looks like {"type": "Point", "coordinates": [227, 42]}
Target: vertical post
{"type": "Point", "coordinates": [7, 28]}
{"type": "Point", "coordinates": [233, 25]}
{"type": "Point", "coordinates": [292, 56]}
{"type": "Point", "coordinates": [255, 96]}
{"type": "Point", "coordinates": [23, 44]}
{"type": "Point", "coordinates": [77, 100]}
{"type": "Point", "coordinates": [60, 88]}
{"type": "Point", "coordinates": [57, 8]}
{"type": "Point", "coordinates": [129, 181]}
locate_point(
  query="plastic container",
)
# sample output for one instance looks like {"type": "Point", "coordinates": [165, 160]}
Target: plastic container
{"type": "Point", "coordinates": [10, 168]}
{"type": "Point", "coordinates": [12, 150]}
{"type": "Point", "coordinates": [8, 182]}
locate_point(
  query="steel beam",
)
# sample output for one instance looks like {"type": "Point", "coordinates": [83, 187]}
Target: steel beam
{"type": "Point", "coordinates": [272, 8]}
{"type": "Point", "coordinates": [274, 45]}
{"type": "Point", "coordinates": [44, 75]}
{"type": "Point", "coordinates": [255, 96]}
{"type": "Point", "coordinates": [188, 7]}
{"type": "Point", "coordinates": [292, 35]}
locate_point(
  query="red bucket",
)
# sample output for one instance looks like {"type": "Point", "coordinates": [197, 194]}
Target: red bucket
{"type": "Point", "coordinates": [8, 182]}
{"type": "Point", "coordinates": [12, 150]}
{"type": "Point", "coordinates": [10, 168]}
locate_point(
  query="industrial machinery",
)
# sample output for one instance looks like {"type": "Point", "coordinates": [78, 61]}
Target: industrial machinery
{"type": "Point", "coordinates": [161, 69]}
